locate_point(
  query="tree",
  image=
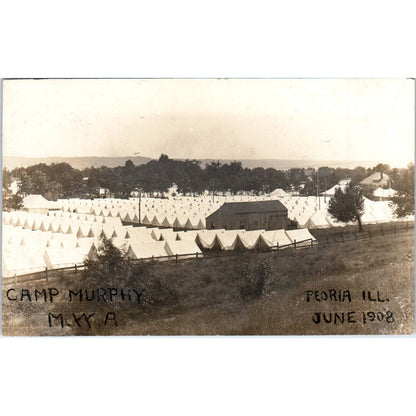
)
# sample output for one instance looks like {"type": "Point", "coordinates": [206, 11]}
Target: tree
{"type": "Point", "coordinates": [35, 182]}
{"type": "Point", "coordinates": [404, 183]}
{"type": "Point", "coordinates": [11, 202]}
{"type": "Point", "coordinates": [349, 205]}
{"type": "Point", "coordinates": [110, 263]}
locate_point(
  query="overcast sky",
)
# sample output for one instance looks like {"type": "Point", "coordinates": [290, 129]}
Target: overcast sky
{"type": "Point", "coordinates": [349, 120]}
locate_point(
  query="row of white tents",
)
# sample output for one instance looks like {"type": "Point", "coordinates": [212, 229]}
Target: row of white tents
{"type": "Point", "coordinates": [33, 242]}
{"type": "Point", "coordinates": [190, 212]}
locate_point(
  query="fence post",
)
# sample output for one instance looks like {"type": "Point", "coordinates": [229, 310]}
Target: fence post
{"type": "Point", "coordinates": [46, 273]}
{"type": "Point", "coordinates": [176, 258]}
{"type": "Point", "coordinates": [76, 269]}
{"type": "Point", "coordinates": [311, 242]}
{"type": "Point", "coordinates": [197, 256]}
{"type": "Point", "coordinates": [294, 242]}
{"type": "Point", "coordinates": [355, 236]}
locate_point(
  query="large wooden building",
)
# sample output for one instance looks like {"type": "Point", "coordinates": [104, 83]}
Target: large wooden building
{"type": "Point", "coordinates": [269, 215]}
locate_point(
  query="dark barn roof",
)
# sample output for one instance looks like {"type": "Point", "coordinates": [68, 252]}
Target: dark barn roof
{"type": "Point", "coordinates": [250, 207]}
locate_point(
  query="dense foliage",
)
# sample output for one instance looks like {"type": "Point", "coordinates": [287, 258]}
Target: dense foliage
{"type": "Point", "coordinates": [63, 181]}
{"type": "Point", "coordinates": [405, 186]}
{"type": "Point", "coordinates": [347, 205]}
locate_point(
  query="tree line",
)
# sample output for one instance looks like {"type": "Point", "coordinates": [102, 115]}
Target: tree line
{"type": "Point", "coordinates": [61, 180]}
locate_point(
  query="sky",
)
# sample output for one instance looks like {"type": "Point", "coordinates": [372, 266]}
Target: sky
{"type": "Point", "coordinates": [297, 119]}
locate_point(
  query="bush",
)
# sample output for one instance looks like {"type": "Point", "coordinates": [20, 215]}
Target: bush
{"type": "Point", "coordinates": [110, 266]}
{"type": "Point", "coordinates": [254, 282]}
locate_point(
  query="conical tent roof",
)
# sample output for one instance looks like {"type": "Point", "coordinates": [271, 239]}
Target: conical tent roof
{"type": "Point", "coordinates": [180, 221]}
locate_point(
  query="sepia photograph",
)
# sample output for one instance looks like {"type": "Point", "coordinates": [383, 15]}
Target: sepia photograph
{"type": "Point", "coordinates": [208, 207]}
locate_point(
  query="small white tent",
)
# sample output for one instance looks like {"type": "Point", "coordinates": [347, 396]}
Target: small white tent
{"type": "Point", "coordinates": [302, 236]}
{"type": "Point", "coordinates": [56, 258]}
{"type": "Point", "coordinates": [140, 250]}
{"type": "Point", "coordinates": [184, 249]}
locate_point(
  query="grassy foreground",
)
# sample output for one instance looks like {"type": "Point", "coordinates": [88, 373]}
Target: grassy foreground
{"type": "Point", "coordinates": [216, 296]}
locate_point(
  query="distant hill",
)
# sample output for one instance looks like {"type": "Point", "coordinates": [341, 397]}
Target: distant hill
{"type": "Point", "coordinates": [283, 164]}
{"type": "Point", "coordinates": [11, 162]}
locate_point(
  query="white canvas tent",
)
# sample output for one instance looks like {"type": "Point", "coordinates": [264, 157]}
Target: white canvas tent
{"type": "Point", "coordinates": [18, 260]}
{"type": "Point", "coordinates": [140, 250]}
{"type": "Point", "coordinates": [56, 258]}
{"type": "Point", "coordinates": [207, 238]}
{"type": "Point", "coordinates": [274, 238]}
{"type": "Point", "coordinates": [184, 249]}
{"type": "Point", "coordinates": [227, 239]}
{"type": "Point", "coordinates": [383, 194]}
{"type": "Point", "coordinates": [190, 235]}
{"type": "Point", "coordinates": [300, 235]}
{"type": "Point", "coordinates": [248, 239]}
{"type": "Point", "coordinates": [279, 193]}
{"type": "Point", "coordinates": [318, 220]}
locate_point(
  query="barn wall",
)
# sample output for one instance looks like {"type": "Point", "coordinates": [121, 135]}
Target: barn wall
{"type": "Point", "coordinates": [249, 221]}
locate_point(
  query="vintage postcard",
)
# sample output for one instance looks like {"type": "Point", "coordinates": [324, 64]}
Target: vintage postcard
{"type": "Point", "coordinates": [208, 207]}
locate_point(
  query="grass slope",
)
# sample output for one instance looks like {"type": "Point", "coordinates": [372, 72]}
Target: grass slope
{"type": "Point", "coordinates": [205, 297]}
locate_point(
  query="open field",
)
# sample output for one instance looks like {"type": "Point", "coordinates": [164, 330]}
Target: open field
{"type": "Point", "coordinates": [210, 296]}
